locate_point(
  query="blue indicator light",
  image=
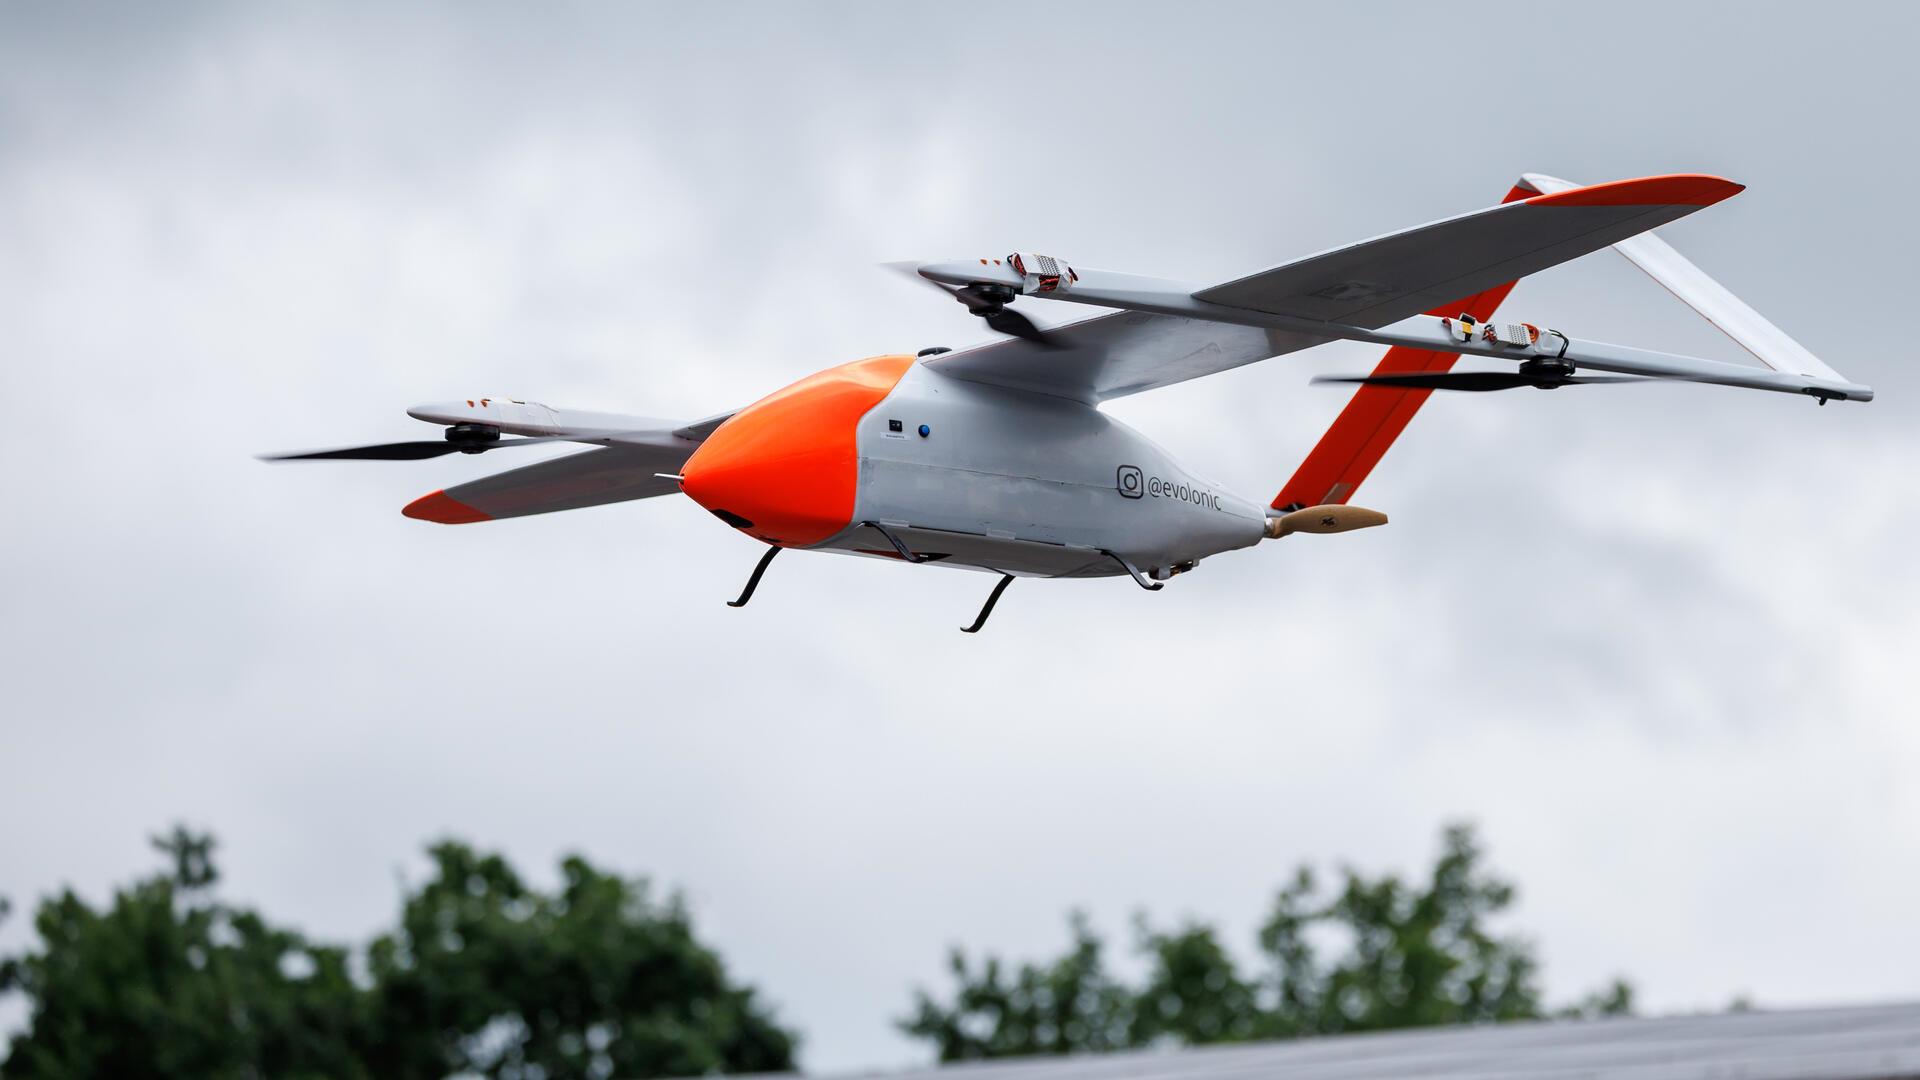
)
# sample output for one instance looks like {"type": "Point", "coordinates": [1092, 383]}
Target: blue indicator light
{"type": "Point", "coordinates": [925, 431]}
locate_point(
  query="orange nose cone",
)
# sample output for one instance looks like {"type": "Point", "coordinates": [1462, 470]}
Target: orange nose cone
{"type": "Point", "coordinates": [785, 469]}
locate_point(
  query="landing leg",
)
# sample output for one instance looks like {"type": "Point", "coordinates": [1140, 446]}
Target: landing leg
{"type": "Point", "coordinates": [904, 551]}
{"type": "Point", "coordinates": [992, 599]}
{"type": "Point", "coordinates": [1139, 578]}
{"type": "Point", "coordinates": [754, 581]}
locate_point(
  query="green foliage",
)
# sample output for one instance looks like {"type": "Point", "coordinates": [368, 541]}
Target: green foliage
{"type": "Point", "coordinates": [1406, 955]}
{"type": "Point", "coordinates": [596, 980]}
{"type": "Point", "coordinates": [483, 976]}
{"type": "Point", "coordinates": [1616, 999]}
{"type": "Point", "coordinates": [1193, 994]}
{"type": "Point", "coordinates": [1070, 1004]}
{"type": "Point", "coordinates": [168, 982]}
{"type": "Point", "coordinates": [1423, 957]}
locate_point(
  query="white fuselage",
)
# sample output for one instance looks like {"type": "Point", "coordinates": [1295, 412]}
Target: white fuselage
{"type": "Point", "coordinates": [1028, 483]}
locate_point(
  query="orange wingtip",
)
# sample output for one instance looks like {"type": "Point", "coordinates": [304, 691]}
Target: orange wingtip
{"type": "Point", "coordinates": [438, 507]}
{"type": "Point", "coordinates": [1680, 189]}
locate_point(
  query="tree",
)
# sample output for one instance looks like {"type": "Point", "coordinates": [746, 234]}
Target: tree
{"type": "Point", "coordinates": [1423, 957]}
{"type": "Point", "coordinates": [1070, 1004]}
{"type": "Point", "coordinates": [483, 975]}
{"type": "Point", "coordinates": [1193, 993]}
{"type": "Point", "coordinates": [169, 982]}
{"type": "Point", "coordinates": [1616, 999]}
{"type": "Point", "coordinates": [1408, 956]}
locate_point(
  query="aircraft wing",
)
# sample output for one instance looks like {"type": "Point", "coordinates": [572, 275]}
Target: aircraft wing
{"type": "Point", "coordinates": [1119, 354]}
{"type": "Point", "coordinates": [1170, 331]}
{"type": "Point", "coordinates": [1386, 279]}
{"type": "Point", "coordinates": [608, 475]}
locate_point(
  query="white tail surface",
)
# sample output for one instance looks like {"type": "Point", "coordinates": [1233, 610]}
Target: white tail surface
{"type": "Point", "coordinates": [1729, 313]}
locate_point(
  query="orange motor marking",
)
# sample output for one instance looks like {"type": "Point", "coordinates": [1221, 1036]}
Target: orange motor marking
{"type": "Point", "coordinates": [789, 463]}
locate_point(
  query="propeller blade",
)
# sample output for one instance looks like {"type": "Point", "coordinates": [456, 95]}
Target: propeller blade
{"type": "Point", "coordinates": [1014, 324]}
{"type": "Point", "coordinates": [1436, 380]}
{"type": "Point", "coordinates": [413, 451]}
{"type": "Point", "coordinates": [975, 303]}
{"type": "Point", "coordinates": [911, 271]}
{"type": "Point", "coordinates": [397, 451]}
{"type": "Point", "coordinates": [1475, 381]}
{"type": "Point", "coordinates": [993, 310]}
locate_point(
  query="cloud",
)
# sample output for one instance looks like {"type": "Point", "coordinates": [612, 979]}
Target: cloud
{"type": "Point", "coordinates": [1655, 640]}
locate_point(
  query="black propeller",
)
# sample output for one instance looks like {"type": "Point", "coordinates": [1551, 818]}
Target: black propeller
{"type": "Point", "coordinates": [457, 441]}
{"type": "Point", "coordinates": [1479, 381]}
{"type": "Point", "coordinates": [1014, 324]}
{"type": "Point", "coordinates": [989, 301]}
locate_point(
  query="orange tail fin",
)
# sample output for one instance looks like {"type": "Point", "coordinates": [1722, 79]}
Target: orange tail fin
{"type": "Point", "coordinates": [1375, 417]}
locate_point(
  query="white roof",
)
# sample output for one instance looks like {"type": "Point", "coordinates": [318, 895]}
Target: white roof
{"type": "Point", "coordinates": [1865, 1043]}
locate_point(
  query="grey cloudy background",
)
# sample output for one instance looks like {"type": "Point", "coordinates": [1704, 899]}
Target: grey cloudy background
{"type": "Point", "coordinates": [1658, 642]}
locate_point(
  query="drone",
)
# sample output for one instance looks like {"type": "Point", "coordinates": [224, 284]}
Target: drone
{"type": "Point", "coordinates": [998, 458]}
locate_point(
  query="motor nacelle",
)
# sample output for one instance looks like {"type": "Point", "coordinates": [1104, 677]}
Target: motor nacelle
{"type": "Point", "coordinates": [473, 438]}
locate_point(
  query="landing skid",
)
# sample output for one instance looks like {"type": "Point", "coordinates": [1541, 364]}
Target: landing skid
{"type": "Point", "coordinates": [899, 546]}
{"type": "Point", "coordinates": [992, 599]}
{"type": "Point", "coordinates": [1139, 578]}
{"type": "Point", "coordinates": [906, 553]}
{"type": "Point", "coordinates": [753, 582]}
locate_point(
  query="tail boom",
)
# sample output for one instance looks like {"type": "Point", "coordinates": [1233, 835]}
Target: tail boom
{"type": "Point", "coordinates": [1377, 415]}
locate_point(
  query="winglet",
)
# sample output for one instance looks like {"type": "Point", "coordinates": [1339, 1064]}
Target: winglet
{"type": "Point", "coordinates": [1768, 343]}
{"type": "Point", "coordinates": [1678, 189]}
{"type": "Point", "coordinates": [437, 506]}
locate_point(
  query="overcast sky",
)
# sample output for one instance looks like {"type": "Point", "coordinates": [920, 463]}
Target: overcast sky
{"type": "Point", "coordinates": [1658, 642]}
